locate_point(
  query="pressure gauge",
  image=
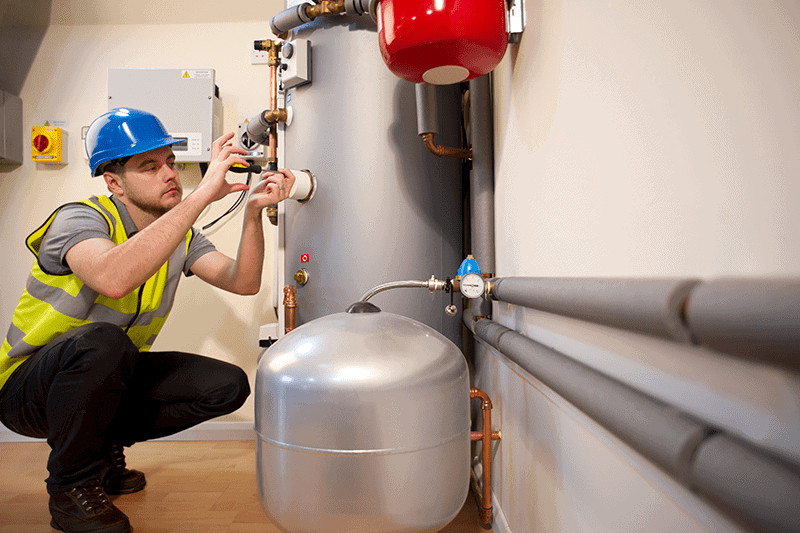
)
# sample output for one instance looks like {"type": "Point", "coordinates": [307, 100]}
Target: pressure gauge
{"type": "Point", "coordinates": [472, 285]}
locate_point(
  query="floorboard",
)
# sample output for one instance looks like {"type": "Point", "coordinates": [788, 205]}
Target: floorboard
{"type": "Point", "coordinates": [192, 487]}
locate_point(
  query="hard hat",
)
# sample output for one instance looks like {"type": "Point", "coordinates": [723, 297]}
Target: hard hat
{"type": "Point", "coordinates": [123, 132]}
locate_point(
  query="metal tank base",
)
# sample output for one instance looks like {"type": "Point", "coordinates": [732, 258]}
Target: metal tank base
{"type": "Point", "coordinates": [310, 491]}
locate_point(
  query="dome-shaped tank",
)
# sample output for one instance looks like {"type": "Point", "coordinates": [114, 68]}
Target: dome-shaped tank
{"type": "Point", "coordinates": [363, 426]}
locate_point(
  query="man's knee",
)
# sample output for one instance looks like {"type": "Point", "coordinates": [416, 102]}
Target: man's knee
{"type": "Point", "coordinates": [233, 391]}
{"type": "Point", "coordinates": [102, 345]}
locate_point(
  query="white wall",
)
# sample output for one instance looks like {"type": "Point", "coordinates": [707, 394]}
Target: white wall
{"type": "Point", "coordinates": [640, 139]}
{"type": "Point", "coordinates": [633, 138]}
{"type": "Point", "coordinates": [68, 82]}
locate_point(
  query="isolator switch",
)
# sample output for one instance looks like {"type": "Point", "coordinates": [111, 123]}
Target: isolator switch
{"type": "Point", "coordinates": [47, 145]}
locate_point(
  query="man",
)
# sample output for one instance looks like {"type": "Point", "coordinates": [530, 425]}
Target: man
{"type": "Point", "coordinates": [75, 366]}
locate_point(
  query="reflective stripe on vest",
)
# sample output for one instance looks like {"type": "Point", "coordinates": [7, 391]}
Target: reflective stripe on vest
{"type": "Point", "coordinates": [53, 304]}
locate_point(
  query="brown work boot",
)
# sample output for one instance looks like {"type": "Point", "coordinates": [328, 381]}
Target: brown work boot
{"type": "Point", "coordinates": [86, 509]}
{"type": "Point", "coordinates": [118, 479]}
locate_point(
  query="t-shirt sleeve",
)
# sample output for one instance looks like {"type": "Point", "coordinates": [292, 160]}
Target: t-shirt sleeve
{"type": "Point", "coordinates": [198, 247]}
{"type": "Point", "coordinates": [72, 224]}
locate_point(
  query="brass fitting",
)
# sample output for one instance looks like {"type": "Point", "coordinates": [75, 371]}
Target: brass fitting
{"type": "Point", "coordinates": [325, 8]}
{"type": "Point", "coordinates": [273, 48]}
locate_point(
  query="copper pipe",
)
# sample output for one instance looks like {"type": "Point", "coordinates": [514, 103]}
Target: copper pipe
{"type": "Point", "coordinates": [444, 151]}
{"type": "Point", "coordinates": [486, 435]}
{"type": "Point", "coordinates": [289, 305]}
{"type": "Point", "coordinates": [274, 62]}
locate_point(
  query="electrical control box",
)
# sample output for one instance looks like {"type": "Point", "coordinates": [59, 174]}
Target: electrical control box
{"type": "Point", "coordinates": [48, 145]}
{"type": "Point", "coordinates": [186, 101]}
{"type": "Point", "coordinates": [11, 132]}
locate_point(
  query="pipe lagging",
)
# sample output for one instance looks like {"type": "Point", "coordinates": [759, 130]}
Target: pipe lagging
{"type": "Point", "coordinates": [481, 181]}
{"type": "Point", "coordinates": [651, 306]}
{"type": "Point", "coordinates": [290, 19]}
{"type": "Point", "coordinates": [758, 489]}
{"type": "Point", "coordinates": [651, 425]}
{"type": "Point", "coordinates": [756, 318]}
{"type": "Point", "coordinates": [427, 111]}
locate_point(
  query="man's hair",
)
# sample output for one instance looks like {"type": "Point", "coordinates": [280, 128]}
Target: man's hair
{"type": "Point", "coordinates": [115, 166]}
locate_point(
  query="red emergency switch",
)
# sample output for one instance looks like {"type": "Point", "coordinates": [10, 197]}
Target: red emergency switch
{"type": "Point", "coordinates": [40, 142]}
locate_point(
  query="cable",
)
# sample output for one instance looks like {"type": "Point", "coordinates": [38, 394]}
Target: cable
{"type": "Point", "coordinates": [239, 200]}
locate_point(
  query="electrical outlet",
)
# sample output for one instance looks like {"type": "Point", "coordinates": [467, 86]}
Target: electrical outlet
{"type": "Point", "coordinates": [259, 57]}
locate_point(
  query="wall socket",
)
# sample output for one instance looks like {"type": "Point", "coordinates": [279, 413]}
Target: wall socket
{"type": "Point", "coordinates": [259, 57]}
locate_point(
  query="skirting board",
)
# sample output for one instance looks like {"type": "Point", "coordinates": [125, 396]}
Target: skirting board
{"type": "Point", "coordinates": [212, 430]}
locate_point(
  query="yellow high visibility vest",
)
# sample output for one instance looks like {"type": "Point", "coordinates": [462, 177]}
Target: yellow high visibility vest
{"type": "Point", "coordinates": [53, 304]}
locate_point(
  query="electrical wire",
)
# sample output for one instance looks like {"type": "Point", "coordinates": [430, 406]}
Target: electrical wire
{"type": "Point", "coordinates": [236, 204]}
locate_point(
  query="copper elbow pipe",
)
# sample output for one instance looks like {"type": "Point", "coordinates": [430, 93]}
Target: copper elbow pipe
{"type": "Point", "coordinates": [486, 436]}
{"type": "Point", "coordinates": [444, 151]}
{"type": "Point", "coordinates": [289, 306]}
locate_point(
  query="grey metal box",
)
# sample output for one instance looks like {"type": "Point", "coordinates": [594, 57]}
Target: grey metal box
{"type": "Point", "coordinates": [11, 138]}
{"type": "Point", "coordinates": [185, 100]}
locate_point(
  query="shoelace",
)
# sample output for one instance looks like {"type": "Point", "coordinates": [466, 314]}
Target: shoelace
{"type": "Point", "coordinates": [118, 455]}
{"type": "Point", "coordinates": [91, 497]}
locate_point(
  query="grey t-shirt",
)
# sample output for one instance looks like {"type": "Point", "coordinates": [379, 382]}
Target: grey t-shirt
{"type": "Point", "coordinates": [77, 222]}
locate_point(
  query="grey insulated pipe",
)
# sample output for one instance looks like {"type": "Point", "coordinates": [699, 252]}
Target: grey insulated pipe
{"type": "Point", "coordinates": [296, 16]}
{"type": "Point", "coordinates": [427, 111]}
{"type": "Point", "coordinates": [290, 19]}
{"type": "Point", "coordinates": [759, 490]}
{"type": "Point", "coordinates": [754, 318]}
{"type": "Point", "coordinates": [651, 306]}
{"type": "Point", "coordinates": [481, 183]}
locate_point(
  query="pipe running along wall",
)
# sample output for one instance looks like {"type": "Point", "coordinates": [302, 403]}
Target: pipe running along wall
{"type": "Point", "coordinates": [753, 318]}
{"type": "Point", "coordinates": [756, 318]}
{"type": "Point", "coordinates": [760, 490]}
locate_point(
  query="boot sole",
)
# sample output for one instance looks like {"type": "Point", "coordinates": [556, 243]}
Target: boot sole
{"type": "Point", "coordinates": [129, 529]}
{"type": "Point", "coordinates": [129, 490]}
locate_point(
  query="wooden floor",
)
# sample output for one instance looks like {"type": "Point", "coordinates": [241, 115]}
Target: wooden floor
{"type": "Point", "coordinates": [192, 486]}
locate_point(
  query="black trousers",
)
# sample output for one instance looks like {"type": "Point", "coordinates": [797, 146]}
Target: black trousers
{"type": "Point", "coordinates": [91, 388]}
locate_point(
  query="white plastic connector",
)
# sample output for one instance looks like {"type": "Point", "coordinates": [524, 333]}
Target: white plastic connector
{"type": "Point", "coordinates": [304, 186]}
{"type": "Point", "coordinates": [259, 57]}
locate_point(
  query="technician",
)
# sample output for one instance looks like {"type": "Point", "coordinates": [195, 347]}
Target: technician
{"type": "Point", "coordinates": [75, 366]}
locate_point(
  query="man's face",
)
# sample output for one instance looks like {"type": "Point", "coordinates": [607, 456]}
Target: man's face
{"type": "Point", "coordinates": [150, 182]}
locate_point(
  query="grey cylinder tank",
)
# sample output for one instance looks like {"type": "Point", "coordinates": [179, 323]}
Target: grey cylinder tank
{"type": "Point", "coordinates": [385, 209]}
{"type": "Point", "coordinates": [363, 426]}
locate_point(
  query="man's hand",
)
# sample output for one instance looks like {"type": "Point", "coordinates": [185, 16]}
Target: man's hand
{"type": "Point", "coordinates": [214, 186]}
{"type": "Point", "coordinates": [274, 188]}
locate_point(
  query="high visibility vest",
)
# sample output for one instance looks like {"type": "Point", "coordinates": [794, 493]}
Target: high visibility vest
{"type": "Point", "coordinates": [53, 304]}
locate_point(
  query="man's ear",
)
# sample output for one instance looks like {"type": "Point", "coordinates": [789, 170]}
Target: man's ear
{"type": "Point", "coordinates": [113, 182]}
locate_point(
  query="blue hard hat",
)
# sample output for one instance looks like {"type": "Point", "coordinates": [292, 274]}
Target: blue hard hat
{"type": "Point", "coordinates": [123, 132]}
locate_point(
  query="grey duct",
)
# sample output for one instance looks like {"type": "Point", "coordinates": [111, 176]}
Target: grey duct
{"type": "Point", "coordinates": [756, 318]}
{"type": "Point", "coordinates": [758, 489]}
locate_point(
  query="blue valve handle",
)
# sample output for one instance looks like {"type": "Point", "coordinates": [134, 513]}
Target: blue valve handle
{"type": "Point", "coordinates": [468, 265]}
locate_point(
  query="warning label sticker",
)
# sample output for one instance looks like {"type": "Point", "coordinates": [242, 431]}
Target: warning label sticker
{"type": "Point", "coordinates": [193, 74]}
